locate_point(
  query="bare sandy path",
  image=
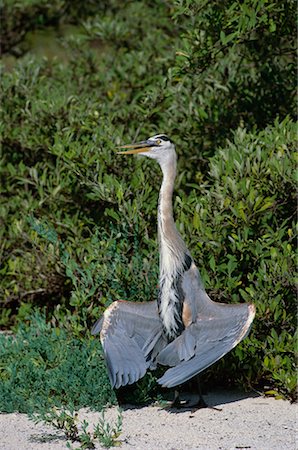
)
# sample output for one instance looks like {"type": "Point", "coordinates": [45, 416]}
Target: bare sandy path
{"type": "Point", "coordinates": [246, 421]}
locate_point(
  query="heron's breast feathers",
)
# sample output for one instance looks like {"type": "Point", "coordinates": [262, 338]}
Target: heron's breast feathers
{"type": "Point", "coordinates": [172, 296]}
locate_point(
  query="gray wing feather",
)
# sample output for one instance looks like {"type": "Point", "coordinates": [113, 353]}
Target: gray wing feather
{"type": "Point", "coordinates": [213, 330]}
{"type": "Point", "coordinates": [131, 336]}
{"type": "Point", "coordinates": [217, 330]}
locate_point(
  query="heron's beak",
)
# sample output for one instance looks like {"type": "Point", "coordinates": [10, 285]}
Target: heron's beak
{"type": "Point", "coordinates": [138, 147]}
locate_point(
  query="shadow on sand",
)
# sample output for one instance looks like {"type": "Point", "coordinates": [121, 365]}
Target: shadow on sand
{"type": "Point", "coordinates": [214, 399]}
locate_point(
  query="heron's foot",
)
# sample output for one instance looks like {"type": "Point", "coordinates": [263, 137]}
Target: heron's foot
{"type": "Point", "coordinates": [190, 403]}
{"type": "Point", "coordinates": [202, 404]}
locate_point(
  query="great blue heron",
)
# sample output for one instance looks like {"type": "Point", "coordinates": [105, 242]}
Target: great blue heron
{"type": "Point", "coordinates": [184, 329]}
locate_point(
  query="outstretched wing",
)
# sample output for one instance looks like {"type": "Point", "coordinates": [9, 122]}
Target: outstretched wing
{"type": "Point", "coordinates": [131, 336]}
{"type": "Point", "coordinates": [212, 330]}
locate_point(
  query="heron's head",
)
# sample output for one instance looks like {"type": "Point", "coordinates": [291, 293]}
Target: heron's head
{"type": "Point", "coordinates": [159, 147]}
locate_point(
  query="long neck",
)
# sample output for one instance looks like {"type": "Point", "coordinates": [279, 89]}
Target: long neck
{"type": "Point", "coordinates": [166, 224]}
{"type": "Point", "coordinates": [170, 240]}
{"type": "Point", "coordinates": [172, 255]}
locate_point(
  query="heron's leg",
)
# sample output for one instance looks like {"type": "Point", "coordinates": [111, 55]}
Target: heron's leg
{"type": "Point", "coordinates": [201, 402]}
{"type": "Point", "coordinates": [176, 403]}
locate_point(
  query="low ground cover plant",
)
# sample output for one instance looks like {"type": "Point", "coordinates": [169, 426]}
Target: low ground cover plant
{"type": "Point", "coordinates": [78, 223]}
{"type": "Point", "coordinates": [42, 367]}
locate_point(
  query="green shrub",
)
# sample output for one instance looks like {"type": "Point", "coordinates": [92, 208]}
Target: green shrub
{"type": "Point", "coordinates": [44, 367]}
{"type": "Point", "coordinates": [111, 266]}
{"type": "Point", "coordinates": [198, 71]}
{"type": "Point", "coordinates": [23, 16]}
{"type": "Point", "coordinates": [238, 61]}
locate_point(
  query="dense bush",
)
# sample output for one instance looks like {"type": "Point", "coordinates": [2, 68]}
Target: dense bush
{"type": "Point", "coordinates": [41, 368]}
{"type": "Point", "coordinates": [20, 17]}
{"type": "Point", "coordinates": [78, 223]}
{"type": "Point", "coordinates": [237, 58]}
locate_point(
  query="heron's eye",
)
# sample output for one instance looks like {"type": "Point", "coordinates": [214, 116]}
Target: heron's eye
{"type": "Point", "coordinates": [158, 141]}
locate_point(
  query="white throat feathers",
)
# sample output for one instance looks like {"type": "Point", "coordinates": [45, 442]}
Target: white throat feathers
{"type": "Point", "coordinates": [174, 256]}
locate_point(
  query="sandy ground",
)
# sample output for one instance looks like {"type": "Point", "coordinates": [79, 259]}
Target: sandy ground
{"type": "Point", "coordinates": [246, 421]}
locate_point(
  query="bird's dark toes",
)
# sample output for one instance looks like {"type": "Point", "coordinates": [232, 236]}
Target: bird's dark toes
{"type": "Point", "coordinates": [202, 404]}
